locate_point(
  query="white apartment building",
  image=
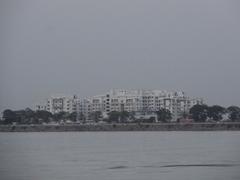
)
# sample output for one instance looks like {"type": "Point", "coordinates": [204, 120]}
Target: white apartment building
{"type": "Point", "coordinates": [139, 101]}
{"type": "Point", "coordinates": [87, 106]}
{"type": "Point", "coordinates": [59, 103]}
{"type": "Point", "coordinates": [123, 100]}
{"type": "Point", "coordinates": [83, 108]}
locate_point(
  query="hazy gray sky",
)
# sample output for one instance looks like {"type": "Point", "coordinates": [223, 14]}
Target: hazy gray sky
{"type": "Point", "coordinates": [87, 47]}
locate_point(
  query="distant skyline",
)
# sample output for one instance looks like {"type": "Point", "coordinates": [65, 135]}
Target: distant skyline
{"type": "Point", "coordinates": [88, 47]}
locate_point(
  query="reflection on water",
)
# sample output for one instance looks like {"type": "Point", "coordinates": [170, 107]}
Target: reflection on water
{"type": "Point", "coordinates": [120, 155]}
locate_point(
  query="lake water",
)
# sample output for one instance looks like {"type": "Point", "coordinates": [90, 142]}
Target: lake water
{"type": "Point", "coordinates": [120, 156]}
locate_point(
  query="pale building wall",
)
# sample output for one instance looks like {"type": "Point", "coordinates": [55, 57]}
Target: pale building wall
{"type": "Point", "coordinates": [124, 100]}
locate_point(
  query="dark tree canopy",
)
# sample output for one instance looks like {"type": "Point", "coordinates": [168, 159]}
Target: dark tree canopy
{"type": "Point", "coordinates": [199, 112]}
{"type": "Point", "coordinates": [164, 115]}
{"type": "Point", "coordinates": [116, 116]}
{"type": "Point", "coordinates": [45, 116]}
{"type": "Point", "coordinates": [234, 113]}
{"type": "Point", "coordinates": [113, 116]}
{"type": "Point", "coordinates": [60, 116]}
{"type": "Point", "coordinates": [96, 116]}
{"type": "Point", "coordinates": [9, 116]}
{"type": "Point", "coordinates": [73, 116]}
{"type": "Point", "coordinates": [26, 116]}
{"type": "Point", "coordinates": [215, 112]}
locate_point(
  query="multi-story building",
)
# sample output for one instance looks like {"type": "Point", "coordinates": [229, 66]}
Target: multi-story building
{"type": "Point", "coordinates": [140, 101]}
{"type": "Point", "coordinates": [59, 103]}
{"type": "Point", "coordinates": [123, 100]}
{"type": "Point", "coordinates": [90, 105]}
{"type": "Point", "coordinates": [83, 108]}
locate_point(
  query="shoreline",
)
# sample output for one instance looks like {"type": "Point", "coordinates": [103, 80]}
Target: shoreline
{"type": "Point", "coordinates": [227, 126]}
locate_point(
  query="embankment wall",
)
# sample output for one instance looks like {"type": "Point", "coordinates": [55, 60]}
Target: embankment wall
{"type": "Point", "coordinates": [123, 127]}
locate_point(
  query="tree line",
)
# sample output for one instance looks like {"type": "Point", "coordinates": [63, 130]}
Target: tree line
{"type": "Point", "coordinates": [162, 115]}
{"type": "Point", "coordinates": [29, 116]}
{"type": "Point", "coordinates": [203, 113]}
{"type": "Point", "coordinates": [198, 113]}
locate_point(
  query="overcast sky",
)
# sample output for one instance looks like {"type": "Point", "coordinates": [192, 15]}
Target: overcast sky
{"type": "Point", "coordinates": [87, 47]}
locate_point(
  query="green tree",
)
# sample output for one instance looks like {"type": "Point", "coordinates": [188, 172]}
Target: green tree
{"type": "Point", "coordinates": [29, 113]}
{"type": "Point", "coordinates": [96, 116]}
{"type": "Point", "coordinates": [44, 116]}
{"type": "Point", "coordinates": [116, 116]}
{"type": "Point", "coordinates": [21, 117]}
{"type": "Point", "coordinates": [26, 116]}
{"type": "Point", "coordinates": [124, 115]}
{"type": "Point", "coordinates": [73, 116]}
{"type": "Point", "coordinates": [199, 112]}
{"type": "Point", "coordinates": [113, 116]}
{"type": "Point", "coordinates": [215, 112]}
{"type": "Point", "coordinates": [82, 117]}
{"type": "Point", "coordinates": [131, 116]}
{"type": "Point", "coordinates": [234, 113]}
{"type": "Point", "coordinates": [164, 115]}
{"type": "Point", "coordinates": [9, 116]}
{"type": "Point", "coordinates": [60, 116]}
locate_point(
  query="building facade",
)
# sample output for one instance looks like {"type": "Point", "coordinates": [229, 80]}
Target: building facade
{"type": "Point", "coordinates": [138, 101]}
{"type": "Point", "coordinates": [59, 103]}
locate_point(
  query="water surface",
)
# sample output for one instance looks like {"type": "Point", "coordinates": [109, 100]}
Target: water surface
{"type": "Point", "coordinates": [120, 156]}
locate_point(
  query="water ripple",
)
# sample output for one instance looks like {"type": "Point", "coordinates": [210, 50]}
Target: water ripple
{"type": "Point", "coordinates": [199, 165]}
{"type": "Point", "coordinates": [176, 165]}
{"type": "Point", "coordinates": [119, 167]}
